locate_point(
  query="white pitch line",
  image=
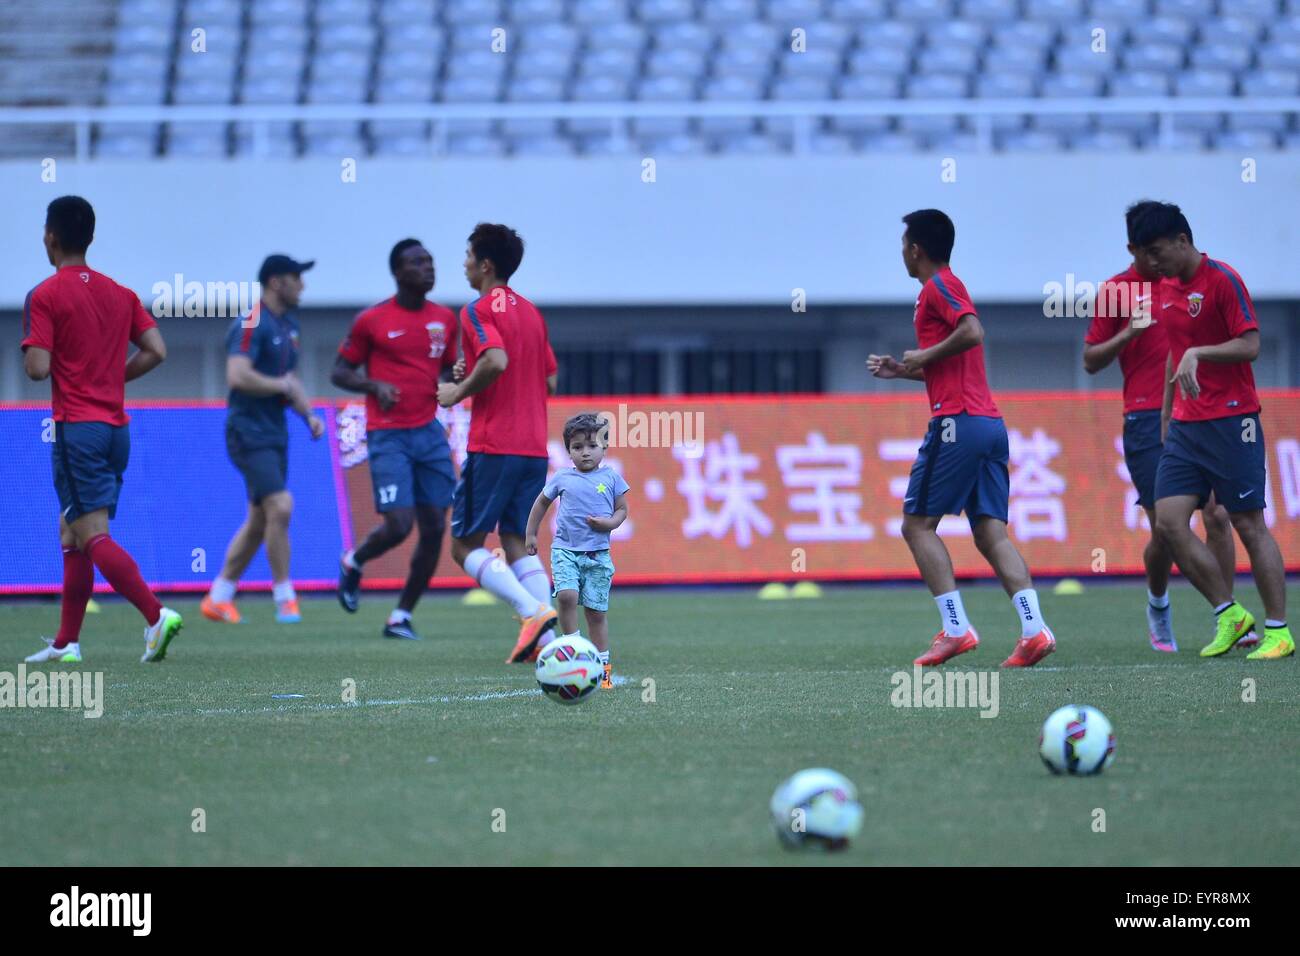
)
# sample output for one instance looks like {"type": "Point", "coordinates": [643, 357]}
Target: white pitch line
{"type": "Point", "coordinates": [619, 681]}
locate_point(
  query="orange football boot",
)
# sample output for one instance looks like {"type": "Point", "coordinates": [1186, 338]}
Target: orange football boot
{"type": "Point", "coordinates": [530, 633]}
{"type": "Point", "coordinates": [225, 613]}
{"type": "Point", "coordinates": [945, 647]}
{"type": "Point", "coordinates": [1030, 650]}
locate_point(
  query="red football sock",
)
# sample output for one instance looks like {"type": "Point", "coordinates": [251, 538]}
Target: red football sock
{"type": "Point", "coordinates": [120, 570]}
{"type": "Point", "coordinates": [78, 585]}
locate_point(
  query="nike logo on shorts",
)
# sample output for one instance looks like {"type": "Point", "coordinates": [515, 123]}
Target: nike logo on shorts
{"type": "Point", "coordinates": [393, 335]}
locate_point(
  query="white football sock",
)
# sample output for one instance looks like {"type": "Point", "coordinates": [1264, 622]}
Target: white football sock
{"type": "Point", "coordinates": [223, 590]}
{"type": "Point", "coordinates": [350, 559]}
{"type": "Point", "coordinates": [1026, 604]}
{"type": "Point", "coordinates": [953, 614]}
{"type": "Point", "coordinates": [604, 656]}
{"type": "Point", "coordinates": [1159, 603]}
{"type": "Point", "coordinates": [398, 616]}
{"type": "Point", "coordinates": [282, 591]}
{"type": "Point", "coordinates": [532, 575]}
{"type": "Point", "coordinates": [574, 634]}
{"type": "Point", "coordinates": [494, 576]}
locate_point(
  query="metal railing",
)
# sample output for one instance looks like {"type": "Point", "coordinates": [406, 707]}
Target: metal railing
{"type": "Point", "coordinates": [803, 114]}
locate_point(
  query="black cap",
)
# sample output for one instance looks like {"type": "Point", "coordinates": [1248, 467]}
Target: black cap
{"type": "Point", "coordinates": [278, 265]}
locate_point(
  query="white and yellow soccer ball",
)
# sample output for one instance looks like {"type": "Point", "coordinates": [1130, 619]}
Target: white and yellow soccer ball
{"type": "Point", "coordinates": [817, 807]}
{"type": "Point", "coordinates": [1077, 739]}
{"type": "Point", "coordinates": [569, 669]}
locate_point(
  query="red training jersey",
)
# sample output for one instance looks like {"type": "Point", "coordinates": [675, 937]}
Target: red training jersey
{"type": "Point", "coordinates": [1212, 308]}
{"type": "Point", "coordinates": [405, 348]}
{"type": "Point", "coordinates": [1142, 360]}
{"type": "Point", "coordinates": [509, 416]}
{"type": "Point", "coordinates": [84, 320]}
{"type": "Point", "coordinates": [957, 383]}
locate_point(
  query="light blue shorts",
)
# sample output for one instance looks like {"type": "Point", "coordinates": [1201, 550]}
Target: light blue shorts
{"type": "Point", "coordinates": [587, 572]}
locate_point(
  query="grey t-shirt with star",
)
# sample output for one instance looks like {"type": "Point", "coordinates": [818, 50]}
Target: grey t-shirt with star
{"type": "Point", "coordinates": [581, 494]}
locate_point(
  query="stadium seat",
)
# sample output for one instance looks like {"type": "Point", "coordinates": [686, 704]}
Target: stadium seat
{"type": "Point", "coordinates": [1191, 9]}
{"type": "Point", "coordinates": [1054, 10]}
{"type": "Point", "coordinates": [466, 11]}
{"type": "Point", "coordinates": [730, 88]}
{"type": "Point", "coordinates": [934, 86]}
{"type": "Point", "coordinates": [663, 89]}
{"type": "Point", "coordinates": [1221, 56]}
{"type": "Point", "coordinates": [526, 13]}
{"type": "Point", "coordinates": [854, 11]}
{"type": "Point", "coordinates": [923, 11]}
{"type": "Point", "coordinates": [873, 87]}
{"type": "Point", "coordinates": [990, 11]}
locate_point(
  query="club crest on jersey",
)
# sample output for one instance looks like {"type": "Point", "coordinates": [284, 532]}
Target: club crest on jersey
{"type": "Point", "coordinates": [1194, 301]}
{"type": "Point", "coordinates": [85, 277]}
{"type": "Point", "coordinates": [437, 338]}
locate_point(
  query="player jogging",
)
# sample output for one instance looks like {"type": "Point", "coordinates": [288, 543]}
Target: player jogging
{"type": "Point", "coordinates": [510, 371]}
{"type": "Point", "coordinates": [405, 343]}
{"type": "Point", "coordinates": [1214, 442]}
{"type": "Point", "coordinates": [76, 326]}
{"type": "Point", "coordinates": [1126, 323]}
{"type": "Point", "coordinates": [261, 355]}
{"type": "Point", "coordinates": [962, 463]}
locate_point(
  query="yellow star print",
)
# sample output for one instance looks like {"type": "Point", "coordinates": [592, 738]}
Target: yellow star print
{"type": "Point", "coordinates": [601, 486]}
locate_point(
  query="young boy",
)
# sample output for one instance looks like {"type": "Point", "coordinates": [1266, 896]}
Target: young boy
{"type": "Point", "coordinates": [594, 504]}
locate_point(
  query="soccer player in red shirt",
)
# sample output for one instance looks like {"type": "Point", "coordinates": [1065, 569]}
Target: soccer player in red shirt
{"type": "Point", "coordinates": [962, 463]}
{"type": "Point", "coordinates": [510, 371]}
{"type": "Point", "coordinates": [76, 326]}
{"type": "Point", "coordinates": [1126, 324]}
{"type": "Point", "coordinates": [1214, 442]}
{"type": "Point", "coordinates": [406, 343]}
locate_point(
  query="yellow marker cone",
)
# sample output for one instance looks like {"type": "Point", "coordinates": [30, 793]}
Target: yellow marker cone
{"type": "Point", "coordinates": [1068, 586]}
{"type": "Point", "coordinates": [773, 591]}
{"type": "Point", "coordinates": [92, 606]}
{"type": "Point", "coordinates": [477, 597]}
{"type": "Point", "coordinates": [806, 589]}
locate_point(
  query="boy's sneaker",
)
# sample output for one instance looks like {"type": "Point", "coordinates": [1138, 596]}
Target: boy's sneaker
{"type": "Point", "coordinates": [286, 612]}
{"type": "Point", "coordinates": [68, 654]}
{"type": "Point", "coordinates": [1160, 627]}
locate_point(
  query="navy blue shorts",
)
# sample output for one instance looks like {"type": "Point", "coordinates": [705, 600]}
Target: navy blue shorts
{"type": "Point", "coordinates": [1142, 449]}
{"type": "Point", "coordinates": [961, 466]}
{"type": "Point", "coordinates": [265, 467]}
{"type": "Point", "coordinates": [495, 493]}
{"type": "Point", "coordinates": [410, 466]}
{"type": "Point", "coordinates": [1223, 455]}
{"type": "Point", "coordinates": [89, 460]}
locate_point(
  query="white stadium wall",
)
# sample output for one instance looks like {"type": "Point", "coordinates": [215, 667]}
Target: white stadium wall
{"type": "Point", "coordinates": [706, 231]}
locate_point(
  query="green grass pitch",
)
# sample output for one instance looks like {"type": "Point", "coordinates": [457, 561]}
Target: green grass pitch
{"type": "Point", "coordinates": [443, 736]}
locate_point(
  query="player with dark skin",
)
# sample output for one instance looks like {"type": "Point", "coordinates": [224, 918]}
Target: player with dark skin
{"type": "Point", "coordinates": [415, 277]}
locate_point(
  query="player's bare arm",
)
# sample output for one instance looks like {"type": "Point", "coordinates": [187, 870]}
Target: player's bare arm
{"type": "Point", "coordinates": [349, 377]}
{"type": "Point", "coordinates": [613, 521]}
{"type": "Point", "coordinates": [1097, 357]}
{"type": "Point", "coordinates": [552, 384]}
{"type": "Point", "coordinates": [301, 404]}
{"type": "Point", "coordinates": [1244, 348]}
{"type": "Point", "coordinates": [968, 334]}
{"type": "Point", "coordinates": [242, 377]}
{"type": "Point", "coordinates": [152, 352]}
{"type": "Point", "coordinates": [487, 370]}
{"type": "Point", "coordinates": [540, 506]}
{"type": "Point", "coordinates": [36, 363]}
{"type": "Point", "coordinates": [887, 367]}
